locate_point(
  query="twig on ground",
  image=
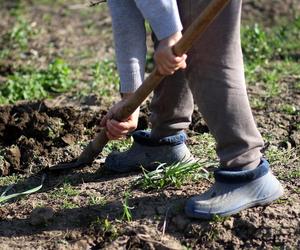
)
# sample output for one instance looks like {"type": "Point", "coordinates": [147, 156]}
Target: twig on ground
{"type": "Point", "coordinates": [94, 3]}
{"type": "Point", "coordinates": [165, 224]}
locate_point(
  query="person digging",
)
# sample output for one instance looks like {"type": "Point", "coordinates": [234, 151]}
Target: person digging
{"type": "Point", "coordinates": [212, 76]}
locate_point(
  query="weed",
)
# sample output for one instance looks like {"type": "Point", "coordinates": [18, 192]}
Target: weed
{"type": "Point", "coordinates": [257, 103]}
{"type": "Point", "coordinates": [20, 34]}
{"type": "Point", "coordinates": [261, 45]}
{"type": "Point", "coordinates": [271, 80]}
{"type": "Point", "coordinates": [219, 219]}
{"type": "Point", "coordinates": [212, 233]}
{"type": "Point", "coordinates": [288, 109]}
{"type": "Point", "coordinates": [68, 205]}
{"type": "Point", "coordinates": [148, 27]}
{"type": "Point", "coordinates": [294, 174]}
{"type": "Point", "coordinates": [254, 43]}
{"type": "Point", "coordinates": [280, 156]}
{"type": "Point", "coordinates": [204, 146]}
{"type": "Point", "coordinates": [64, 192]}
{"type": "Point", "coordinates": [105, 79]}
{"type": "Point", "coordinates": [37, 84]}
{"type": "Point", "coordinates": [105, 228]}
{"type": "Point", "coordinates": [97, 200]}
{"type": "Point", "coordinates": [297, 190]}
{"type": "Point", "coordinates": [282, 201]}
{"type": "Point", "coordinates": [175, 174]}
{"type": "Point", "coordinates": [117, 145]}
{"type": "Point", "coordinates": [126, 209]}
{"type": "Point", "coordinates": [9, 180]}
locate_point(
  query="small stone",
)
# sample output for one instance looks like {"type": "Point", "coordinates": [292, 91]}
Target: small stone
{"type": "Point", "coordinates": [229, 223]}
{"type": "Point", "coordinates": [41, 216]}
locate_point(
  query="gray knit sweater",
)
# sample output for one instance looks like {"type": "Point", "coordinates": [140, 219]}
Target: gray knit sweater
{"type": "Point", "coordinates": [128, 20]}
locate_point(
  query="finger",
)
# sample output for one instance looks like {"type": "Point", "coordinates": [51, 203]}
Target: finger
{"type": "Point", "coordinates": [182, 65]}
{"type": "Point", "coordinates": [127, 125]}
{"type": "Point", "coordinates": [165, 70]}
{"type": "Point", "coordinates": [173, 66]}
{"type": "Point", "coordinates": [179, 60]}
{"type": "Point", "coordinates": [120, 125]}
{"type": "Point", "coordinates": [115, 131]}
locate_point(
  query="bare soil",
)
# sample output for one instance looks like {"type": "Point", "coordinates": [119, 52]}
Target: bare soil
{"type": "Point", "coordinates": [38, 134]}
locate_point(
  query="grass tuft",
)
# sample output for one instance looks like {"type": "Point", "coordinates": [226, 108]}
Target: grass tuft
{"type": "Point", "coordinates": [172, 175]}
{"type": "Point", "coordinates": [127, 215]}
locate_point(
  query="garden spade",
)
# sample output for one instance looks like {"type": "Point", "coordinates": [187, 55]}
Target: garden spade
{"type": "Point", "coordinates": [194, 31]}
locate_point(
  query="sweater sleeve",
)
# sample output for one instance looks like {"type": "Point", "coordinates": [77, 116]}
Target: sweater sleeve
{"type": "Point", "coordinates": [163, 16]}
{"type": "Point", "coordinates": [130, 43]}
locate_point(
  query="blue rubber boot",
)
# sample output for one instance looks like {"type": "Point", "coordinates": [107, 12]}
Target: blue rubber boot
{"type": "Point", "coordinates": [234, 191]}
{"type": "Point", "coordinates": [149, 153]}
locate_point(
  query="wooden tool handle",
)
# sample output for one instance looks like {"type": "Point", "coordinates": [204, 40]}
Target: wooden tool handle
{"type": "Point", "coordinates": [194, 31]}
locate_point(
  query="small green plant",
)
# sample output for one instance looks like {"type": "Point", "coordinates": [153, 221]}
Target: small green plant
{"type": "Point", "coordinates": [280, 156]}
{"type": "Point", "coordinates": [257, 103]}
{"type": "Point", "coordinates": [105, 79]}
{"type": "Point", "coordinates": [64, 192]}
{"type": "Point", "coordinates": [204, 146]}
{"type": "Point", "coordinates": [271, 80]}
{"type": "Point", "coordinates": [288, 109]}
{"type": "Point", "coordinates": [126, 209]}
{"type": "Point", "coordinates": [105, 228]}
{"type": "Point", "coordinates": [97, 200]}
{"type": "Point", "coordinates": [176, 174]}
{"type": "Point", "coordinates": [254, 43]}
{"type": "Point", "coordinates": [21, 33]}
{"type": "Point", "coordinates": [9, 180]}
{"type": "Point", "coordinates": [69, 205]}
{"type": "Point", "coordinates": [219, 219]}
{"type": "Point", "coordinates": [117, 145]}
{"type": "Point", "coordinates": [37, 84]}
{"type": "Point", "coordinates": [262, 47]}
{"type": "Point", "coordinates": [294, 174]}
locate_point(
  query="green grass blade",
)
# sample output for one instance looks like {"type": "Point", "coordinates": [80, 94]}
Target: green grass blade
{"type": "Point", "coordinates": [4, 198]}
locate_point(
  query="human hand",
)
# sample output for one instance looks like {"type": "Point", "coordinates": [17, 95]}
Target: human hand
{"type": "Point", "coordinates": [117, 129]}
{"type": "Point", "coordinates": [166, 62]}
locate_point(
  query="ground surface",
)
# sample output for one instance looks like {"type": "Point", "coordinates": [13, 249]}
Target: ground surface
{"type": "Point", "coordinates": [84, 209]}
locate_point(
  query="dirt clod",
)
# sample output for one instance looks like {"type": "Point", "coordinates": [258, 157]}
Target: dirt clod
{"type": "Point", "coordinates": [41, 216]}
{"type": "Point", "coordinates": [13, 156]}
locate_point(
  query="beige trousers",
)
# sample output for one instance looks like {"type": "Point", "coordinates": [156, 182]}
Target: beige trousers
{"type": "Point", "coordinates": [214, 80]}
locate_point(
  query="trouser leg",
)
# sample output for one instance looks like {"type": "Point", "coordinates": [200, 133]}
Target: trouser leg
{"type": "Point", "coordinates": [215, 79]}
{"type": "Point", "coordinates": [171, 106]}
{"type": "Point", "coordinates": [216, 76]}
{"type": "Point", "coordinates": [172, 103]}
